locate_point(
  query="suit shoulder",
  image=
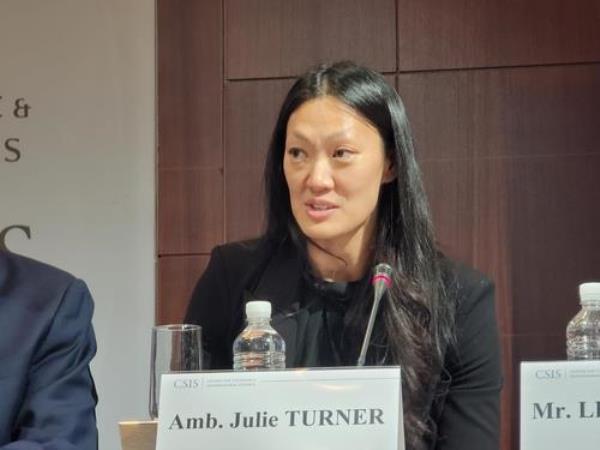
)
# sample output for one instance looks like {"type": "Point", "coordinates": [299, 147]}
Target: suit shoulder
{"type": "Point", "coordinates": [18, 266]}
{"type": "Point", "coordinates": [30, 282]}
{"type": "Point", "coordinates": [466, 285]}
{"type": "Point", "coordinates": [240, 249]}
{"type": "Point", "coordinates": [241, 255]}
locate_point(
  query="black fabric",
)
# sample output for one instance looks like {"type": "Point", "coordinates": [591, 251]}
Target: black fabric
{"type": "Point", "coordinates": [309, 314]}
{"type": "Point", "coordinates": [321, 333]}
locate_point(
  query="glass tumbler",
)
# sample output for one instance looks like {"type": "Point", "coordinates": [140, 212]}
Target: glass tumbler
{"type": "Point", "coordinates": [175, 348]}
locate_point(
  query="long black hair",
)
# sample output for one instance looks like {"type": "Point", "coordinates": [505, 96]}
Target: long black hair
{"type": "Point", "coordinates": [419, 315]}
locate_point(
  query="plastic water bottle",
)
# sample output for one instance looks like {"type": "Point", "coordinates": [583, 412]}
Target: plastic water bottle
{"type": "Point", "coordinates": [583, 331]}
{"type": "Point", "coordinates": [258, 346]}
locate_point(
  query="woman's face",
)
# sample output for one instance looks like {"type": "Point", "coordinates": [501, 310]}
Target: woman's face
{"type": "Point", "coordinates": [334, 165]}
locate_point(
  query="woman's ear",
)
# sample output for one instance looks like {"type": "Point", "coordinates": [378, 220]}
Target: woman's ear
{"type": "Point", "coordinates": [389, 172]}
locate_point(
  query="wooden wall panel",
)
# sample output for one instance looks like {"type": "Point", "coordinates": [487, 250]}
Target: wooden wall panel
{"type": "Point", "coordinates": [491, 114]}
{"type": "Point", "coordinates": [436, 34]}
{"type": "Point", "coordinates": [190, 150]}
{"type": "Point", "coordinates": [436, 112]}
{"type": "Point", "coordinates": [251, 108]}
{"type": "Point", "coordinates": [492, 251]}
{"type": "Point", "coordinates": [177, 278]}
{"type": "Point", "coordinates": [536, 236]}
{"type": "Point", "coordinates": [504, 112]}
{"type": "Point", "coordinates": [536, 111]}
{"type": "Point", "coordinates": [190, 210]}
{"type": "Point", "coordinates": [245, 204]}
{"type": "Point", "coordinates": [274, 38]}
{"type": "Point", "coordinates": [190, 88]}
{"type": "Point", "coordinates": [554, 220]}
{"type": "Point", "coordinates": [450, 189]}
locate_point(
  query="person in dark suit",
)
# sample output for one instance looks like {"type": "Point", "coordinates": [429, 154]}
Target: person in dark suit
{"type": "Point", "coordinates": [47, 395]}
{"type": "Point", "coordinates": [343, 193]}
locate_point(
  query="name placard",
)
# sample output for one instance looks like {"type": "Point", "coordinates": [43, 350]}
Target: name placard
{"type": "Point", "coordinates": [334, 409]}
{"type": "Point", "coordinates": [560, 405]}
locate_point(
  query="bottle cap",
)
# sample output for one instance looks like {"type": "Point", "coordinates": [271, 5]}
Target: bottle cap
{"type": "Point", "coordinates": [258, 309]}
{"type": "Point", "coordinates": [589, 292]}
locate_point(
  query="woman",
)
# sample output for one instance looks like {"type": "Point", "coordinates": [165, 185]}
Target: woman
{"type": "Point", "coordinates": [344, 192]}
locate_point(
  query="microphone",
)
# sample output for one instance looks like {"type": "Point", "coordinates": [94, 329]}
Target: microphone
{"type": "Point", "coordinates": [381, 281]}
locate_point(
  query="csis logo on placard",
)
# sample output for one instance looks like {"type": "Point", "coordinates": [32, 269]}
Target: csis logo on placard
{"type": "Point", "coordinates": [187, 384]}
{"type": "Point", "coordinates": [549, 374]}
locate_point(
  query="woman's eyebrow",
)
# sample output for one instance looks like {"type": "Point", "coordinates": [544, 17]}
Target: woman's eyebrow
{"type": "Point", "coordinates": [343, 133]}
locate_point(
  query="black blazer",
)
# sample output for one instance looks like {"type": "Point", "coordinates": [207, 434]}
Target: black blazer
{"type": "Point", "coordinates": [465, 408]}
{"type": "Point", "coordinates": [47, 396]}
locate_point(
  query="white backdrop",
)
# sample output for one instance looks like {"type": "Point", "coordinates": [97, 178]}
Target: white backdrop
{"type": "Point", "coordinates": [79, 170]}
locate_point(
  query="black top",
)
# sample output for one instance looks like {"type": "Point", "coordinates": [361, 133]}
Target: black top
{"type": "Point", "coordinates": [322, 336]}
{"type": "Point", "coordinates": [310, 315]}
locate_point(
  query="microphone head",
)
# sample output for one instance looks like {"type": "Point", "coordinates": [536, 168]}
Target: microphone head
{"type": "Point", "coordinates": [382, 274]}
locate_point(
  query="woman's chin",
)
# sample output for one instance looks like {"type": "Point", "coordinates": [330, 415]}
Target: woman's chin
{"type": "Point", "coordinates": [322, 233]}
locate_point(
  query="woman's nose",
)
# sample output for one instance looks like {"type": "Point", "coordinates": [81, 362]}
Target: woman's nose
{"type": "Point", "coordinates": [320, 177]}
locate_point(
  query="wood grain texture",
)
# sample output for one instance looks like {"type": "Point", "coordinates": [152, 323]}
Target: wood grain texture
{"type": "Point", "coordinates": [554, 220]}
{"type": "Point", "coordinates": [492, 252]}
{"type": "Point", "coordinates": [450, 189]}
{"type": "Point", "coordinates": [190, 210]}
{"type": "Point", "coordinates": [489, 117]}
{"type": "Point", "coordinates": [177, 276]}
{"type": "Point", "coordinates": [138, 435]}
{"type": "Point", "coordinates": [274, 38]}
{"type": "Point", "coordinates": [190, 83]}
{"type": "Point", "coordinates": [438, 117]}
{"type": "Point", "coordinates": [251, 109]}
{"type": "Point", "coordinates": [491, 33]}
{"type": "Point", "coordinates": [504, 112]}
{"type": "Point", "coordinates": [509, 396]}
{"type": "Point", "coordinates": [244, 217]}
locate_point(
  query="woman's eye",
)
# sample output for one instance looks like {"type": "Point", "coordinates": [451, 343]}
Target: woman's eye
{"type": "Point", "coordinates": [296, 153]}
{"type": "Point", "coordinates": [342, 153]}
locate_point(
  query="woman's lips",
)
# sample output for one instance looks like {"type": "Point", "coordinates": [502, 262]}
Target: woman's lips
{"type": "Point", "coordinates": [320, 211]}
